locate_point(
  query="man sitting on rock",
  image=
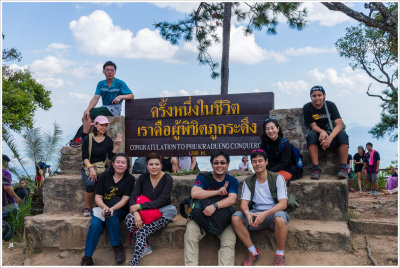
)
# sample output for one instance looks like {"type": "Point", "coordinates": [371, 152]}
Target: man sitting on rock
{"type": "Point", "coordinates": [258, 209]}
{"type": "Point", "coordinates": [227, 186]}
{"type": "Point", "coordinates": [325, 129]}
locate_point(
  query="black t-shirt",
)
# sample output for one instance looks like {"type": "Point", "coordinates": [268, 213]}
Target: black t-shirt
{"type": "Point", "coordinates": [99, 150]}
{"type": "Point", "coordinates": [349, 157]}
{"type": "Point", "coordinates": [159, 196]}
{"type": "Point", "coordinates": [166, 164]}
{"type": "Point", "coordinates": [312, 114]}
{"type": "Point", "coordinates": [357, 158]}
{"type": "Point", "coordinates": [22, 193]}
{"type": "Point", "coordinates": [112, 192]}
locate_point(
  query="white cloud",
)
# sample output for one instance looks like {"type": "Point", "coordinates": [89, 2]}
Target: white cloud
{"type": "Point", "coordinates": [308, 51]}
{"type": "Point", "coordinates": [183, 92]}
{"type": "Point", "coordinates": [57, 46]}
{"type": "Point", "coordinates": [298, 87]}
{"type": "Point", "coordinates": [243, 49]}
{"type": "Point", "coordinates": [319, 13]}
{"type": "Point", "coordinates": [185, 7]}
{"type": "Point", "coordinates": [97, 35]}
{"type": "Point", "coordinates": [16, 67]}
{"type": "Point", "coordinates": [256, 90]}
{"type": "Point", "coordinates": [83, 98]}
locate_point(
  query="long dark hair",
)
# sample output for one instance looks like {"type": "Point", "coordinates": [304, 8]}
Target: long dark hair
{"type": "Point", "coordinates": [95, 130]}
{"type": "Point", "coordinates": [126, 173]}
{"type": "Point", "coordinates": [264, 138]}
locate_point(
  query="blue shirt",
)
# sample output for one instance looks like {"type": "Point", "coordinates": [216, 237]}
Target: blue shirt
{"type": "Point", "coordinates": [233, 186]}
{"type": "Point", "coordinates": [108, 94]}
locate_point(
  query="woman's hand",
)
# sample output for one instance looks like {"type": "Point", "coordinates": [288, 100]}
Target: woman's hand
{"type": "Point", "coordinates": [118, 140]}
{"type": "Point", "coordinates": [138, 220]}
{"type": "Point", "coordinates": [134, 208]}
{"type": "Point", "coordinates": [92, 175]}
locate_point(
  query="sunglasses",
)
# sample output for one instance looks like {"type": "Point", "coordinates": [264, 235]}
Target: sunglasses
{"type": "Point", "coordinates": [222, 163]}
{"type": "Point", "coordinates": [270, 119]}
{"type": "Point", "coordinates": [257, 150]}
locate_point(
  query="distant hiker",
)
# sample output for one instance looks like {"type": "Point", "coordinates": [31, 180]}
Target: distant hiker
{"type": "Point", "coordinates": [258, 210]}
{"type": "Point", "coordinates": [112, 92]}
{"type": "Point", "coordinates": [186, 163]}
{"type": "Point", "coordinates": [392, 182]}
{"type": "Point", "coordinates": [371, 164]}
{"type": "Point", "coordinates": [112, 195]}
{"type": "Point", "coordinates": [23, 192]}
{"type": "Point", "coordinates": [170, 164]}
{"type": "Point", "coordinates": [10, 198]}
{"type": "Point", "coordinates": [359, 167]}
{"type": "Point", "coordinates": [96, 148]}
{"type": "Point", "coordinates": [145, 218]}
{"type": "Point", "coordinates": [325, 129]}
{"type": "Point", "coordinates": [349, 167]}
{"type": "Point", "coordinates": [245, 164]}
{"type": "Point", "coordinates": [207, 188]}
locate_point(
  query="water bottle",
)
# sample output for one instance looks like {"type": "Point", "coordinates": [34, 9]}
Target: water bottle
{"type": "Point", "coordinates": [299, 163]}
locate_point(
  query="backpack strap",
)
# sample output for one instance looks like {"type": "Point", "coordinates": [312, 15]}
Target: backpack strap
{"type": "Point", "coordinates": [282, 144]}
{"type": "Point", "coordinates": [90, 146]}
{"type": "Point", "coordinates": [272, 177]}
{"type": "Point", "coordinates": [251, 184]}
{"type": "Point", "coordinates": [210, 179]}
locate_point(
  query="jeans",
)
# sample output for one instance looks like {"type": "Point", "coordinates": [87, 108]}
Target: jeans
{"type": "Point", "coordinates": [96, 228]}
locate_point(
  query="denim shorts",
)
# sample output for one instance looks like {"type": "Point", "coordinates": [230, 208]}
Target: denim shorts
{"type": "Point", "coordinates": [372, 177]}
{"type": "Point", "coordinates": [268, 222]}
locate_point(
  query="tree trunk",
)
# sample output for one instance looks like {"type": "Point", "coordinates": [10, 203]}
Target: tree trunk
{"type": "Point", "coordinates": [226, 32]}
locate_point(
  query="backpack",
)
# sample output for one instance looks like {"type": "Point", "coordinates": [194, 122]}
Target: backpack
{"type": "Point", "coordinates": [292, 202]}
{"type": "Point", "coordinates": [139, 166]}
{"type": "Point", "coordinates": [296, 159]}
{"type": "Point", "coordinates": [214, 224]}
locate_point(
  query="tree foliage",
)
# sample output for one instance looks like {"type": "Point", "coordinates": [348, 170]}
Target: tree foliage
{"type": "Point", "coordinates": [203, 22]}
{"type": "Point", "coordinates": [374, 50]}
{"type": "Point", "coordinates": [22, 94]}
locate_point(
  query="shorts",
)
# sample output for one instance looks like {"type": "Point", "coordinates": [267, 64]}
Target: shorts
{"type": "Point", "coordinates": [268, 222]}
{"type": "Point", "coordinates": [351, 175]}
{"type": "Point", "coordinates": [95, 112]}
{"type": "Point", "coordinates": [372, 177]}
{"type": "Point", "coordinates": [312, 137]}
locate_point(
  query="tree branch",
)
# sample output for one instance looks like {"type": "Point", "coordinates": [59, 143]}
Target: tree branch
{"type": "Point", "coordinates": [373, 95]}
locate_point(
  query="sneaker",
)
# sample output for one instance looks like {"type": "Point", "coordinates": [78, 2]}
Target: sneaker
{"type": "Point", "coordinates": [370, 192]}
{"type": "Point", "coordinates": [375, 193]}
{"type": "Point", "coordinates": [351, 190]}
{"type": "Point", "coordinates": [279, 260]}
{"type": "Point", "coordinates": [147, 250]}
{"type": "Point", "coordinates": [76, 143]}
{"type": "Point", "coordinates": [315, 174]}
{"type": "Point", "coordinates": [87, 261]}
{"type": "Point", "coordinates": [119, 253]}
{"type": "Point", "coordinates": [251, 259]}
{"type": "Point", "coordinates": [86, 212]}
{"type": "Point", "coordinates": [361, 192]}
{"type": "Point", "coordinates": [342, 174]}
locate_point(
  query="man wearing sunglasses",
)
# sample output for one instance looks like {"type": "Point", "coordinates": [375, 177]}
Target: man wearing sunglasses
{"type": "Point", "coordinates": [259, 211]}
{"type": "Point", "coordinates": [325, 130]}
{"type": "Point", "coordinates": [227, 186]}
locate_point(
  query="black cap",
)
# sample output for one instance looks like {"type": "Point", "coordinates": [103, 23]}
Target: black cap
{"type": "Point", "coordinates": [6, 158]}
{"type": "Point", "coordinates": [317, 88]}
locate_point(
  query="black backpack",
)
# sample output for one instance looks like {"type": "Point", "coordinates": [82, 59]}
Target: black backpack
{"type": "Point", "coordinates": [296, 159]}
{"type": "Point", "coordinates": [214, 224]}
{"type": "Point", "coordinates": [139, 166]}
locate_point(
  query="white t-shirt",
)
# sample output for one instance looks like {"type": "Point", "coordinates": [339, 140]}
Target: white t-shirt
{"type": "Point", "coordinates": [243, 167]}
{"type": "Point", "coordinates": [184, 162]}
{"type": "Point", "coordinates": [262, 196]}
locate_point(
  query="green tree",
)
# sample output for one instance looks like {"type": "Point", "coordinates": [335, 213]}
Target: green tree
{"type": "Point", "coordinates": [374, 50]}
{"type": "Point", "coordinates": [202, 24]}
{"type": "Point", "coordinates": [22, 94]}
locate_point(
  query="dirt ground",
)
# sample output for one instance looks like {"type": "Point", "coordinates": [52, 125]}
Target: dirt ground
{"type": "Point", "coordinates": [384, 248]}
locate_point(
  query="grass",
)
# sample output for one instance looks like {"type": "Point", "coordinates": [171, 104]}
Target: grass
{"type": "Point", "coordinates": [16, 220]}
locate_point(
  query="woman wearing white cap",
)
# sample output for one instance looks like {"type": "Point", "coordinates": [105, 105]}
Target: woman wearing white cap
{"type": "Point", "coordinates": [102, 146]}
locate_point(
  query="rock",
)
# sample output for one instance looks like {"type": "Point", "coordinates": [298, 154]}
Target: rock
{"type": "Point", "coordinates": [63, 254]}
{"type": "Point", "coordinates": [373, 227]}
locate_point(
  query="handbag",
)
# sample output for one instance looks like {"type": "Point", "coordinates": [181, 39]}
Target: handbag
{"type": "Point", "coordinates": [100, 166]}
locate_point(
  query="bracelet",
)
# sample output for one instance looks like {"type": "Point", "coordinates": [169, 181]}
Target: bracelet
{"type": "Point", "coordinates": [90, 165]}
{"type": "Point", "coordinates": [140, 207]}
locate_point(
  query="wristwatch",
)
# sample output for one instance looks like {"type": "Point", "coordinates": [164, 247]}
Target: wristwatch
{"type": "Point", "coordinates": [215, 205]}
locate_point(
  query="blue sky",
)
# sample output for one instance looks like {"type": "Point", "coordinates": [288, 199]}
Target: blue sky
{"type": "Point", "coordinates": [65, 45]}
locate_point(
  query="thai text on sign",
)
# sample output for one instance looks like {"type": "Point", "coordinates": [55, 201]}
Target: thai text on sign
{"type": "Point", "coordinates": [196, 125]}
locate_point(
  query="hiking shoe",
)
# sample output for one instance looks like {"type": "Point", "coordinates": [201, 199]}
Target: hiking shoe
{"type": "Point", "coordinates": [119, 253]}
{"type": "Point", "coordinates": [86, 212]}
{"type": "Point", "coordinates": [251, 259]}
{"type": "Point", "coordinates": [375, 193]}
{"type": "Point", "coordinates": [279, 260]}
{"type": "Point", "coordinates": [351, 190]}
{"type": "Point", "coordinates": [361, 192]}
{"type": "Point", "coordinates": [147, 250]}
{"type": "Point", "coordinates": [87, 261]}
{"type": "Point", "coordinates": [315, 174]}
{"type": "Point", "coordinates": [342, 174]}
{"type": "Point", "coordinates": [370, 192]}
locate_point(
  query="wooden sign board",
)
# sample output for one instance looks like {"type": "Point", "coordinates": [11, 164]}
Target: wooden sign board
{"type": "Point", "coordinates": [196, 125]}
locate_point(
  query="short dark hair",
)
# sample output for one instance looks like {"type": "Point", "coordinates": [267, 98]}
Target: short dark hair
{"type": "Point", "coordinates": [153, 156]}
{"type": "Point", "coordinates": [128, 168]}
{"type": "Point", "coordinates": [6, 158]}
{"type": "Point", "coordinates": [368, 143]}
{"type": "Point", "coordinates": [109, 63]}
{"type": "Point", "coordinates": [218, 153]}
{"type": "Point", "coordinates": [257, 152]}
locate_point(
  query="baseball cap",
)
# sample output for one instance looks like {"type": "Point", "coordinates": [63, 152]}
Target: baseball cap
{"type": "Point", "coordinates": [317, 88]}
{"type": "Point", "coordinates": [101, 120]}
{"type": "Point", "coordinates": [6, 158]}
{"type": "Point", "coordinates": [360, 147]}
